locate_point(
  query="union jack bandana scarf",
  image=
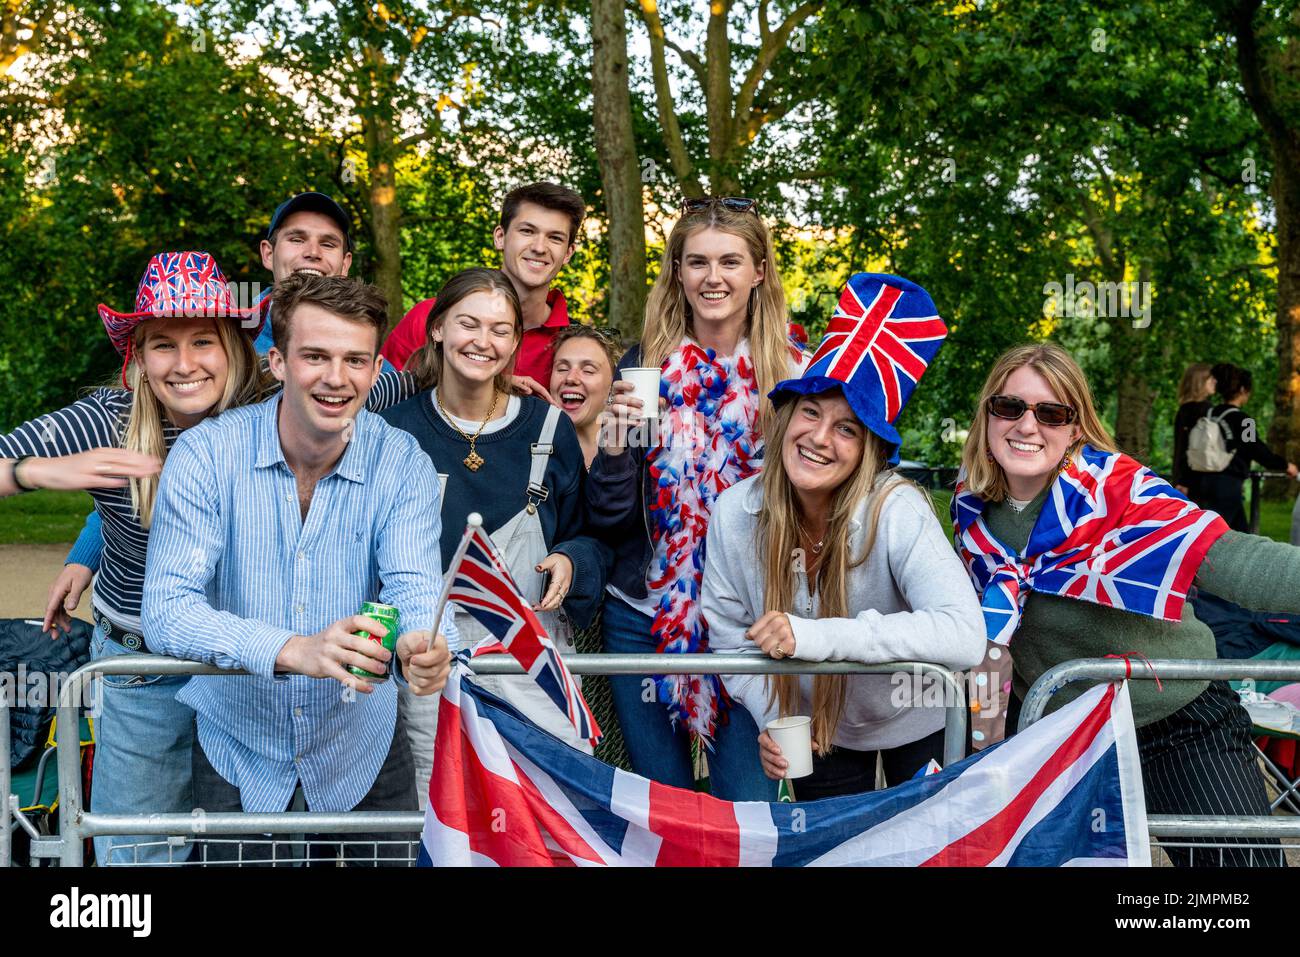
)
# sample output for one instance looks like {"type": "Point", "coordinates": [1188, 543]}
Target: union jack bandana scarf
{"type": "Point", "coordinates": [708, 441]}
{"type": "Point", "coordinates": [1111, 531]}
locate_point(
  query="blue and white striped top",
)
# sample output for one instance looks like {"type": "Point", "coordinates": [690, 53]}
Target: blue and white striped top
{"type": "Point", "coordinates": [234, 572]}
{"type": "Point", "coordinates": [99, 421]}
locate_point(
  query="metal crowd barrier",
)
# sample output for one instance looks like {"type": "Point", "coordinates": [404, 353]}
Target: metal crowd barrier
{"type": "Point", "coordinates": [7, 800]}
{"type": "Point", "coordinates": [76, 823]}
{"type": "Point", "coordinates": [1173, 827]}
{"type": "Point", "coordinates": [1257, 477]}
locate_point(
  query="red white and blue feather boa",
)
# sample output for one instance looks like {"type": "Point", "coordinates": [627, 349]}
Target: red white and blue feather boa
{"type": "Point", "coordinates": [708, 441]}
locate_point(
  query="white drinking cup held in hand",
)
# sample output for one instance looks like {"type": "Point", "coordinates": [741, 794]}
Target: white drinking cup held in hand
{"type": "Point", "coordinates": [645, 386]}
{"type": "Point", "coordinates": [793, 735]}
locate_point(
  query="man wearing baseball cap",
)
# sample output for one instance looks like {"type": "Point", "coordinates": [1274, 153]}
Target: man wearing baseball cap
{"type": "Point", "coordinates": [309, 233]}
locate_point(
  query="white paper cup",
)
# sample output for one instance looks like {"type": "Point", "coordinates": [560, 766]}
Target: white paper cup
{"type": "Point", "coordinates": [645, 386]}
{"type": "Point", "coordinates": [793, 735]}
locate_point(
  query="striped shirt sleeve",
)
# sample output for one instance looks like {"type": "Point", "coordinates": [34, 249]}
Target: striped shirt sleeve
{"type": "Point", "coordinates": [89, 423]}
{"type": "Point", "coordinates": [389, 389]}
{"type": "Point", "coordinates": [186, 541]}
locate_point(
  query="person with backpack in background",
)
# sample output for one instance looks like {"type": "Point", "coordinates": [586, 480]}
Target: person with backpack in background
{"type": "Point", "coordinates": [1194, 394]}
{"type": "Point", "coordinates": [1222, 445]}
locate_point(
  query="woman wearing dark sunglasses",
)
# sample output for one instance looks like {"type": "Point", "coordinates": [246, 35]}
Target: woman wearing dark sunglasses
{"type": "Point", "coordinates": [1077, 551]}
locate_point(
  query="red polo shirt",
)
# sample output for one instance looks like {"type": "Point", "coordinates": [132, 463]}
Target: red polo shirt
{"type": "Point", "coordinates": [533, 358]}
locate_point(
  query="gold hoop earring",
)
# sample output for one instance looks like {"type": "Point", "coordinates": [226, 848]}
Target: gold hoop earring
{"type": "Point", "coordinates": [1066, 461]}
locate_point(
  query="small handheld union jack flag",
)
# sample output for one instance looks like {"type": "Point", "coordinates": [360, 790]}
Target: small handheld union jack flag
{"type": "Point", "coordinates": [883, 335]}
{"type": "Point", "coordinates": [480, 583]}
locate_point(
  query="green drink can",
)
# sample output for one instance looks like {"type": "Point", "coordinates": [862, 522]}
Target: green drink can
{"type": "Point", "coordinates": [387, 616]}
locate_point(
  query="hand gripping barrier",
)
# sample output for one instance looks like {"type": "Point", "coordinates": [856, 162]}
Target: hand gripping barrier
{"type": "Point", "coordinates": [76, 823]}
{"type": "Point", "coordinates": [1173, 826]}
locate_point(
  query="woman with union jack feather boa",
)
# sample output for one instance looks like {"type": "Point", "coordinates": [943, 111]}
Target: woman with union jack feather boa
{"type": "Point", "coordinates": [716, 328]}
{"type": "Point", "coordinates": [1078, 551]}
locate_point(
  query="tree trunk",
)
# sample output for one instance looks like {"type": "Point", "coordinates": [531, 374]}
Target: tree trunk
{"type": "Point", "coordinates": [385, 213]}
{"type": "Point", "coordinates": [1284, 432]}
{"type": "Point", "coordinates": [1133, 420]}
{"type": "Point", "coordinates": [1274, 106]}
{"type": "Point", "coordinates": [620, 173]}
{"type": "Point", "coordinates": [1128, 349]}
{"type": "Point", "coordinates": [717, 96]}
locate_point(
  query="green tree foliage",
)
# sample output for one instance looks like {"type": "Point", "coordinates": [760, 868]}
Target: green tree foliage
{"type": "Point", "coordinates": [1058, 140]}
{"type": "Point", "coordinates": [133, 135]}
{"type": "Point", "coordinates": [987, 151]}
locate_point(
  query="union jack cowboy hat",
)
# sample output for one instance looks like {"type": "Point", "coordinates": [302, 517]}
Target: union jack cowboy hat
{"type": "Point", "coordinates": [179, 285]}
{"type": "Point", "coordinates": [884, 334]}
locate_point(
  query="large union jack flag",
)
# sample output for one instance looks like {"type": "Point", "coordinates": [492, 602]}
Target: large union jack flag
{"type": "Point", "coordinates": [1111, 531]}
{"type": "Point", "coordinates": [883, 335]}
{"type": "Point", "coordinates": [504, 793]}
{"type": "Point", "coordinates": [482, 585]}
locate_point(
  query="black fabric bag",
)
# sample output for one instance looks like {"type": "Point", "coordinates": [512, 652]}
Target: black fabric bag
{"type": "Point", "coordinates": [33, 667]}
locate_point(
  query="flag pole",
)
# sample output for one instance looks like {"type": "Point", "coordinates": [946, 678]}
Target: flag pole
{"type": "Point", "coordinates": [473, 522]}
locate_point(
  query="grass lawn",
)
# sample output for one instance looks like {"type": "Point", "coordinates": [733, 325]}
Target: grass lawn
{"type": "Point", "coordinates": [1274, 517]}
{"type": "Point", "coordinates": [43, 518]}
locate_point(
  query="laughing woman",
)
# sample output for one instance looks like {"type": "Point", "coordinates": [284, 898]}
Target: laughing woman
{"type": "Point", "coordinates": [187, 354]}
{"type": "Point", "coordinates": [829, 556]}
{"type": "Point", "coordinates": [1039, 460]}
{"type": "Point", "coordinates": [515, 460]}
{"type": "Point", "coordinates": [582, 374]}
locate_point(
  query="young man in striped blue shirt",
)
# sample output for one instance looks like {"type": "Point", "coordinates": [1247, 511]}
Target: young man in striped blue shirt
{"type": "Point", "coordinates": [274, 522]}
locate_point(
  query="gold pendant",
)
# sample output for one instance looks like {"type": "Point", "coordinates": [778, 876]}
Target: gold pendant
{"type": "Point", "coordinates": [473, 461]}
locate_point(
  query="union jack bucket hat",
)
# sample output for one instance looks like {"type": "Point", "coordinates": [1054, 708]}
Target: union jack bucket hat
{"type": "Point", "coordinates": [179, 285]}
{"type": "Point", "coordinates": [884, 334]}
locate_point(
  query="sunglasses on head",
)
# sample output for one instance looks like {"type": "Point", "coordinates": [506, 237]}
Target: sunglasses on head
{"type": "Point", "coordinates": [1047, 413]}
{"type": "Point", "coordinates": [736, 204]}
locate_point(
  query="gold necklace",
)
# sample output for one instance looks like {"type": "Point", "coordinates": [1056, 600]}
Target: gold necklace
{"type": "Point", "coordinates": [473, 460]}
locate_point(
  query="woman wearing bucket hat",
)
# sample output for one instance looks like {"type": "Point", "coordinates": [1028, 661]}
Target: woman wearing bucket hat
{"type": "Point", "coordinates": [187, 354]}
{"type": "Point", "coordinates": [852, 563]}
{"type": "Point", "coordinates": [1078, 551]}
{"type": "Point", "coordinates": [716, 330]}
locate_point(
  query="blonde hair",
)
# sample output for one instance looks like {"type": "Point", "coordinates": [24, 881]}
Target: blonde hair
{"type": "Point", "coordinates": [779, 544]}
{"type": "Point", "coordinates": [667, 316]}
{"type": "Point", "coordinates": [984, 477]}
{"type": "Point", "coordinates": [1192, 388]}
{"type": "Point", "coordinates": [143, 431]}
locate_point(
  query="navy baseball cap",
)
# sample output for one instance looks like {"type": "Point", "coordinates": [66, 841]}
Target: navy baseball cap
{"type": "Point", "coordinates": [312, 202]}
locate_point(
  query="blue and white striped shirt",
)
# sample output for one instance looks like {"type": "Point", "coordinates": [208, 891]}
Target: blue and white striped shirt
{"type": "Point", "coordinates": [233, 572]}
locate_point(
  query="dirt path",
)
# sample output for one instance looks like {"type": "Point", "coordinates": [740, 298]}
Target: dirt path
{"type": "Point", "coordinates": [26, 572]}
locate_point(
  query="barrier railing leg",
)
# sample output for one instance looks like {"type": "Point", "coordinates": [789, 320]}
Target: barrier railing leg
{"type": "Point", "coordinates": [68, 738]}
{"type": "Point", "coordinates": [6, 780]}
{"type": "Point", "coordinates": [954, 735]}
{"type": "Point", "coordinates": [1256, 482]}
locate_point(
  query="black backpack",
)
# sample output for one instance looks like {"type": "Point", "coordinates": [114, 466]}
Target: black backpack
{"type": "Point", "coordinates": [33, 668]}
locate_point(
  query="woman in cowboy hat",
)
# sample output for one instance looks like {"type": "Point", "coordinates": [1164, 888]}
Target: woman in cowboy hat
{"type": "Point", "coordinates": [1078, 551]}
{"type": "Point", "coordinates": [187, 354]}
{"type": "Point", "coordinates": [853, 564]}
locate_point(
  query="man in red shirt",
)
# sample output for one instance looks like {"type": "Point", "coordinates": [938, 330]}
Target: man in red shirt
{"type": "Point", "coordinates": [536, 237]}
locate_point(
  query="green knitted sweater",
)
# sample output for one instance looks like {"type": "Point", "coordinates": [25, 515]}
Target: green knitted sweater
{"type": "Point", "coordinates": [1256, 573]}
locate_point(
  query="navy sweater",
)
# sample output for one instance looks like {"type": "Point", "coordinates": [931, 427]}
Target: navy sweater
{"type": "Point", "coordinates": [498, 490]}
